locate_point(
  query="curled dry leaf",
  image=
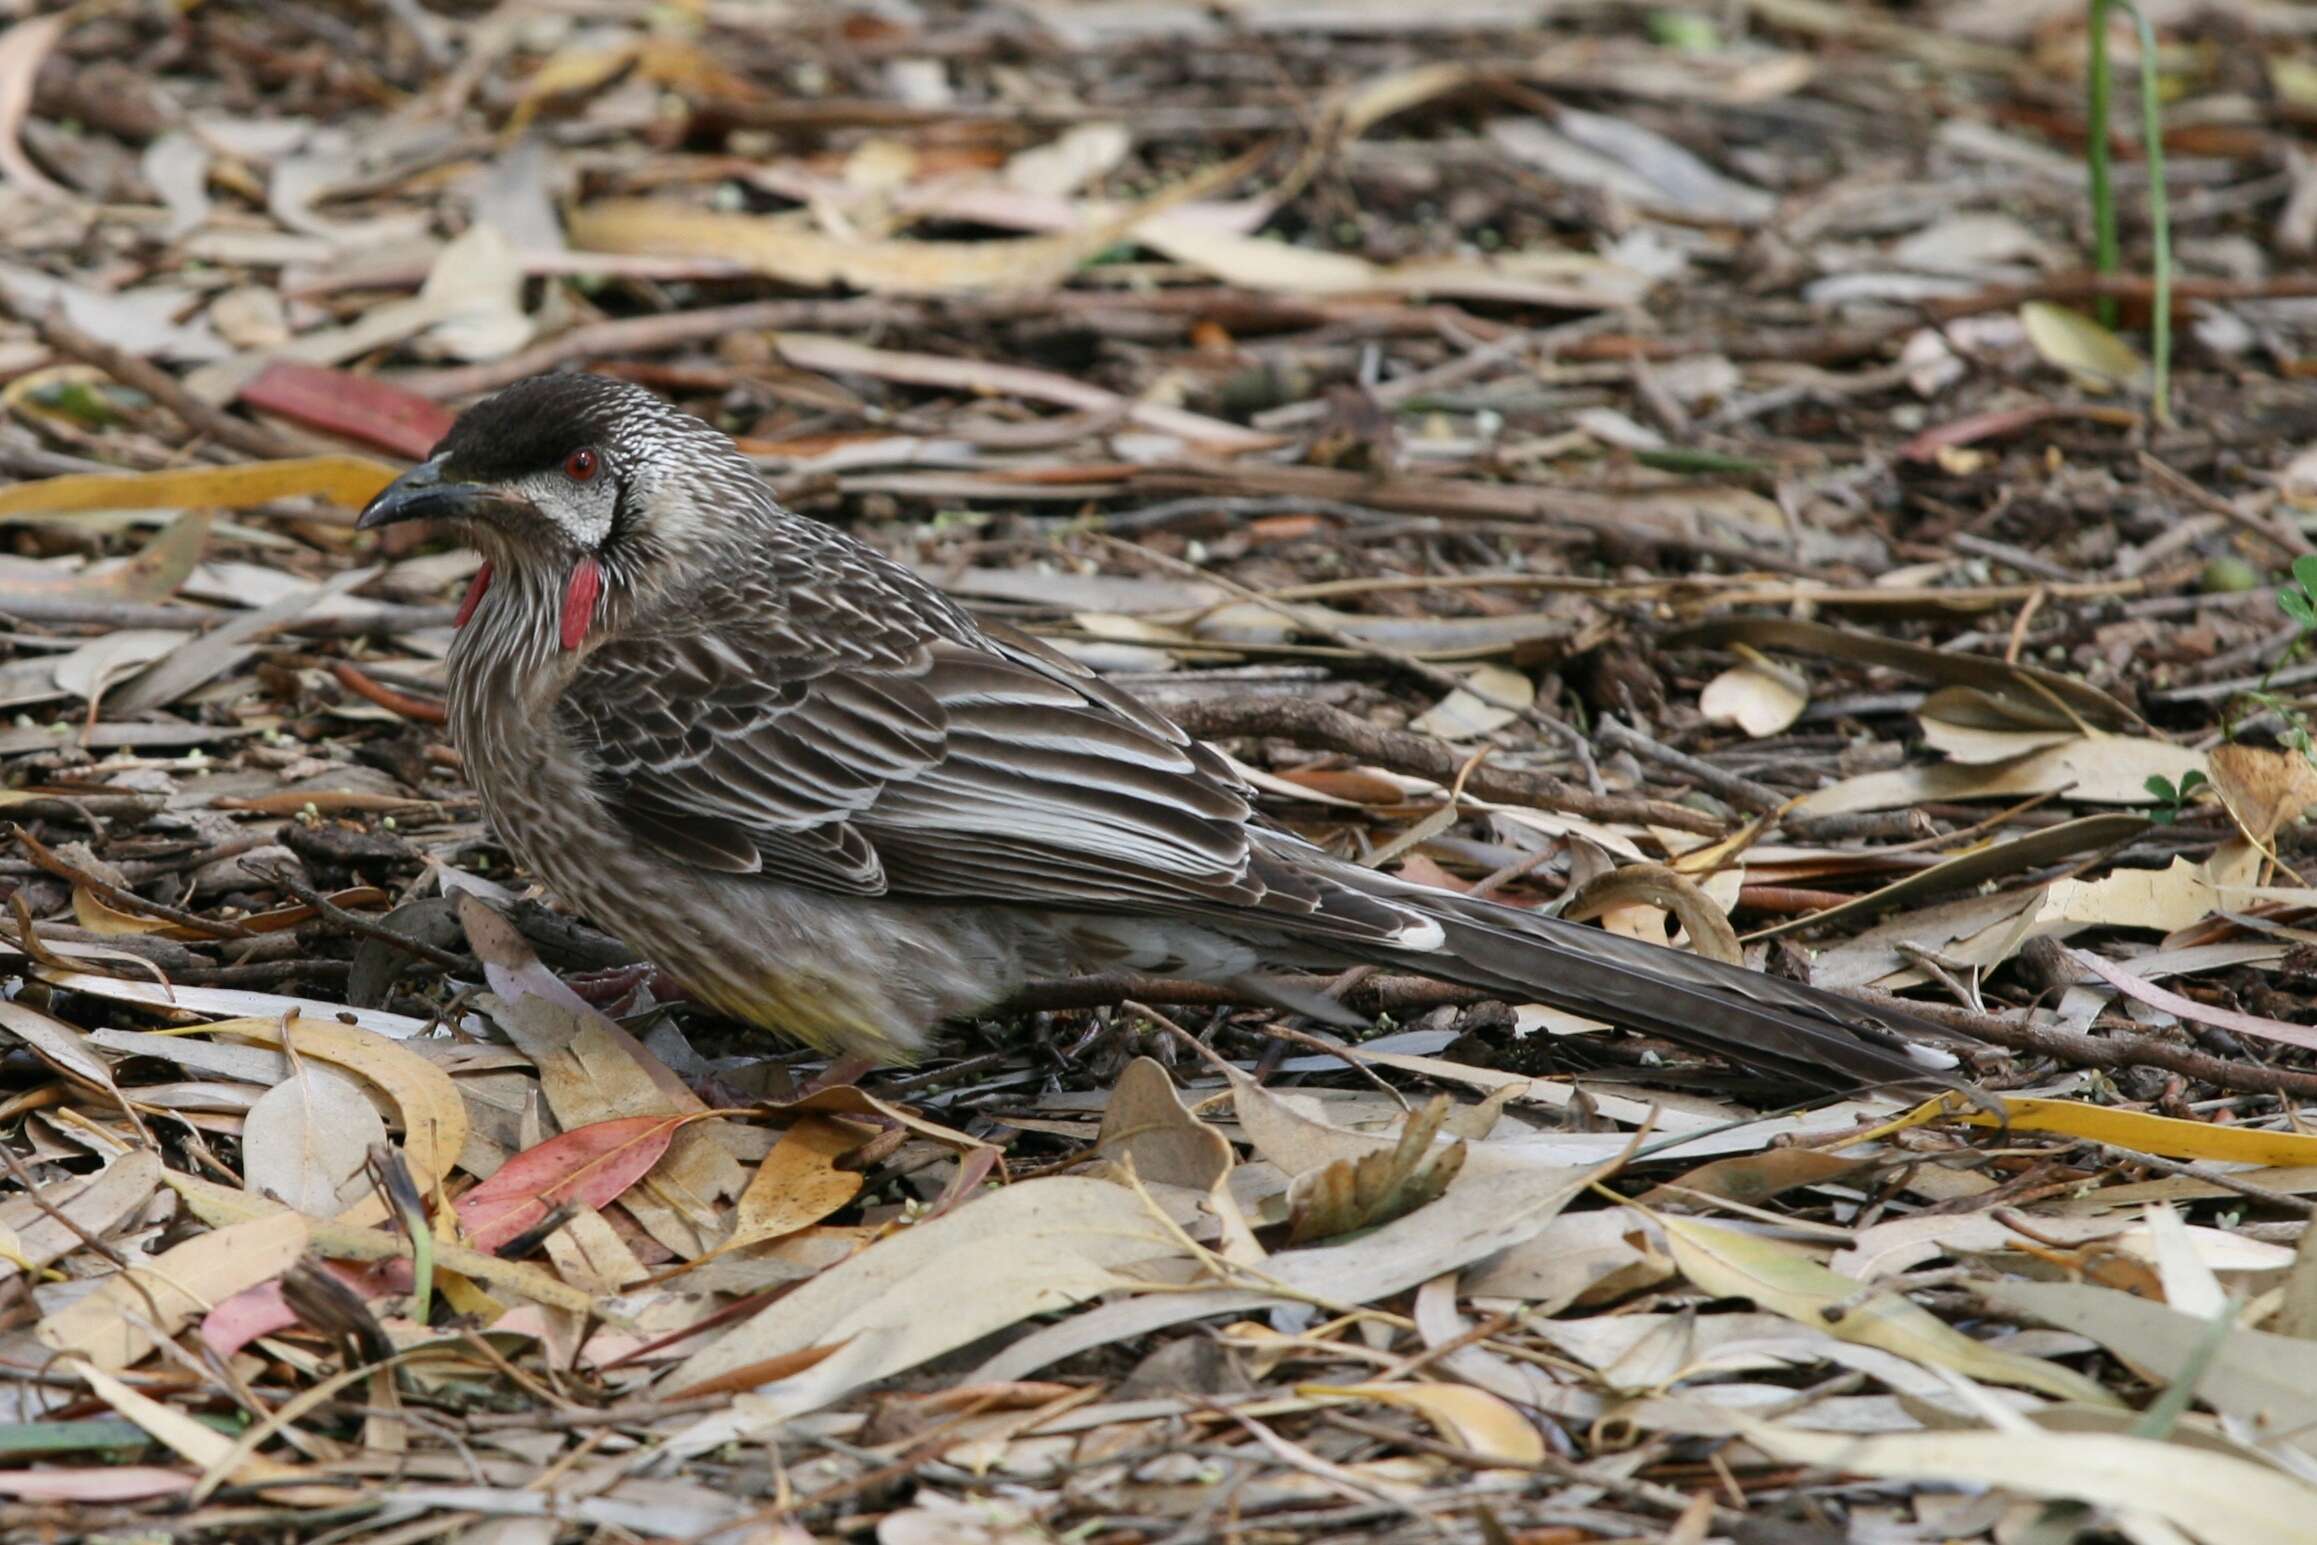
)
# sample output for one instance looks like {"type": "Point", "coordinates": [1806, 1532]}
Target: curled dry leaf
{"type": "Point", "coordinates": [1474, 1418]}
{"type": "Point", "coordinates": [1759, 696]}
{"type": "Point", "coordinates": [1657, 887]}
{"type": "Point", "coordinates": [1352, 1194]}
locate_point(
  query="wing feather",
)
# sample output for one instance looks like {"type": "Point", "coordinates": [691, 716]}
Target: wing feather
{"type": "Point", "coordinates": [921, 765]}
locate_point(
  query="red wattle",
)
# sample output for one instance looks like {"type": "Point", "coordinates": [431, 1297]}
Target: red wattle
{"type": "Point", "coordinates": [475, 588]}
{"type": "Point", "coordinates": [579, 599]}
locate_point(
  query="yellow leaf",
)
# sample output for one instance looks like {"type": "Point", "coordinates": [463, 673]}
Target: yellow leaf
{"type": "Point", "coordinates": [1476, 1419]}
{"type": "Point", "coordinates": [568, 72]}
{"type": "Point", "coordinates": [350, 481]}
{"type": "Point", "coordinates": [2165, 1136]}
{"type": "Point", "coordinates": [2097, 359]}
{"type": "Point", "coordinates": [798, 1183]}
{"type": "Point", "coordinates": [1781, 1279]}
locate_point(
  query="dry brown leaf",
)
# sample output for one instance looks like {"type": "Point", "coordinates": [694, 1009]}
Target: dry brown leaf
{"type": "Point", "coordinates": [2264, 789]}
{"type": "Point", "coordinates": [1353, 1194]}
{"type": "Point", "coordinates": [1463, 715]}
{"type": "Point", "coordinates": [2107, 770]}
{"type": "Point", "coordinates": [1145, 1121]}
{"type": "Point", "coordinates": [1474, 1418]}
{"type": "Point", "coordinates": [1759, 696]}
{"type": "Point", "coordinates": [1654, 886]}
{"type": "Point", "coordinates": [434, 1119]}
{"type": "Point", "coordinates": [70, 1209]}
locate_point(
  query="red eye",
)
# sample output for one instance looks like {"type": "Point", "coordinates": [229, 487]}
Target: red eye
{"type": "Point", "coordinates": [582, 465]}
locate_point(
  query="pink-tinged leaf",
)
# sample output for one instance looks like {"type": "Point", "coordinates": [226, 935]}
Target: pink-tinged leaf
{"type": "Point", "coordinates": [247, 1315]}
{"type": "Point", "coordinates": [354, 407]}
{"type": "Point", "coordinates": [94, 1483]}
{"type": "Point", "coordinates": [588, 1165]}
{"type": "Point", "coordinates": [263, 1310]}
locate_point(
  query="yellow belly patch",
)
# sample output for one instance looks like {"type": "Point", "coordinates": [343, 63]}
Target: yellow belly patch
{"type": "Point", "coordinates": [825, 1014]}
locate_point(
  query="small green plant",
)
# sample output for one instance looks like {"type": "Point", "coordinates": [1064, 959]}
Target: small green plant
{"type": "Point", "coordinates": [2172, 800]}
{"type": "Point", "coordinates": [2107, 250]}
{"type": "Point", "coordinates": [2297, 599]}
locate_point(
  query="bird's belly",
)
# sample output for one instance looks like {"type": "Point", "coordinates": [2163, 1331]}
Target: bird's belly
{"type": "Point", "coordinates": [865, 976]}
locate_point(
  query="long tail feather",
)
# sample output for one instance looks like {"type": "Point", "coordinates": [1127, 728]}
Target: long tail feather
{"type": "Point", "coordinates": [1805, 1033]}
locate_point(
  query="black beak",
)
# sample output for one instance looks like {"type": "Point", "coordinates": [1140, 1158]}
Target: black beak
{"type": "Point", "coordinates": [424, 493]}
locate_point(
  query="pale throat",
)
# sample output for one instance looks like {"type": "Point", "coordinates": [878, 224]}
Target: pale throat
{"type": "Point", "coordinates": [580, 592]}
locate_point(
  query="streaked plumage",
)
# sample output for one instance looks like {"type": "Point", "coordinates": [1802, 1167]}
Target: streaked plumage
{"type": "Point", "coordinates": [820, 794]}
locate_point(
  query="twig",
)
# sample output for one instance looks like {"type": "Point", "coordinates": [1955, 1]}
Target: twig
{"type": "Point", "coordinates": [1308, 722]}
{"type": "Point", "coordinates": [423, 710]}
{"type": "Point", "coordinates": [126, 900]}
{"type": "Point", "coordinates": [144, 376]}
{"type": "Point", "coordinates": [355, 922]}
{"type": "Point", "coordinates": [2082, 1050]}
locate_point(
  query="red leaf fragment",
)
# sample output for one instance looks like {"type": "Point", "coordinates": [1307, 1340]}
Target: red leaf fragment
{"type": "Point", "coordinates": [353, 407]}
{"type": "Point", "coordinates": [590, 1166]}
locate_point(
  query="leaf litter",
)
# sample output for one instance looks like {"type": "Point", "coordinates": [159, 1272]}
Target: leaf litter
{"type": "Point", "coordinates": [1371, 403]}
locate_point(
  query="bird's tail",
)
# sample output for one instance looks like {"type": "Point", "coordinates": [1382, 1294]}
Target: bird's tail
{"type": "Point", "coordinates": [1760, 1021]}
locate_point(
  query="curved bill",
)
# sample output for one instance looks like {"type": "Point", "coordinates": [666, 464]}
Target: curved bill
{"type": "Point", "coordinates": [426, 493]}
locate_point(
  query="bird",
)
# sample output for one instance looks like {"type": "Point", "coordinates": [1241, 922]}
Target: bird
{"type": "Point", "coordinates": [831, 803]}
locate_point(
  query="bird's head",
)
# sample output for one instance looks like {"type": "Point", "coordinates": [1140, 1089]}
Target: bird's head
{"type": "Point", "coordinates": [582, 487]}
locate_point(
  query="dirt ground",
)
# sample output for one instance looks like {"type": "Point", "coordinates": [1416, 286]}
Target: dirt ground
{"type": "Point", "coordinates": [1686, 467]}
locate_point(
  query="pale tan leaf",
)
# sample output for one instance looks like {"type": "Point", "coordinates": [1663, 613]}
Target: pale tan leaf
{"type": "Point", "coordinates": [1474, 1418]}
{"type": "Point", "coordinates": [2108, 770]}
{"type": "Point", "coordinates": [118, 1323]}
{"type": "Point", "coordinates": [1760, 696]}
{"type": "Point", "coordinates": [434, 1118]}
{"type": "Point", "coordinates": [2264, 789]}
{"type": "Point", "coordinates": [1026, 1249]}
{"type": "Point", "coordinates": [1084, 153]}
{"type": "Point", "coordinates": [92, 1205]}
{"type": "Point", "coordinates": [1463, 715]}
{"type": "Point", "coordinates": [2213, 1497]}
{"type": "Point", "coordinates": [22, 48]}
{"type": "Point", "coordinates": [1780, 1278]}
{"type": "Point", "coordinates": [306, 1140]}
